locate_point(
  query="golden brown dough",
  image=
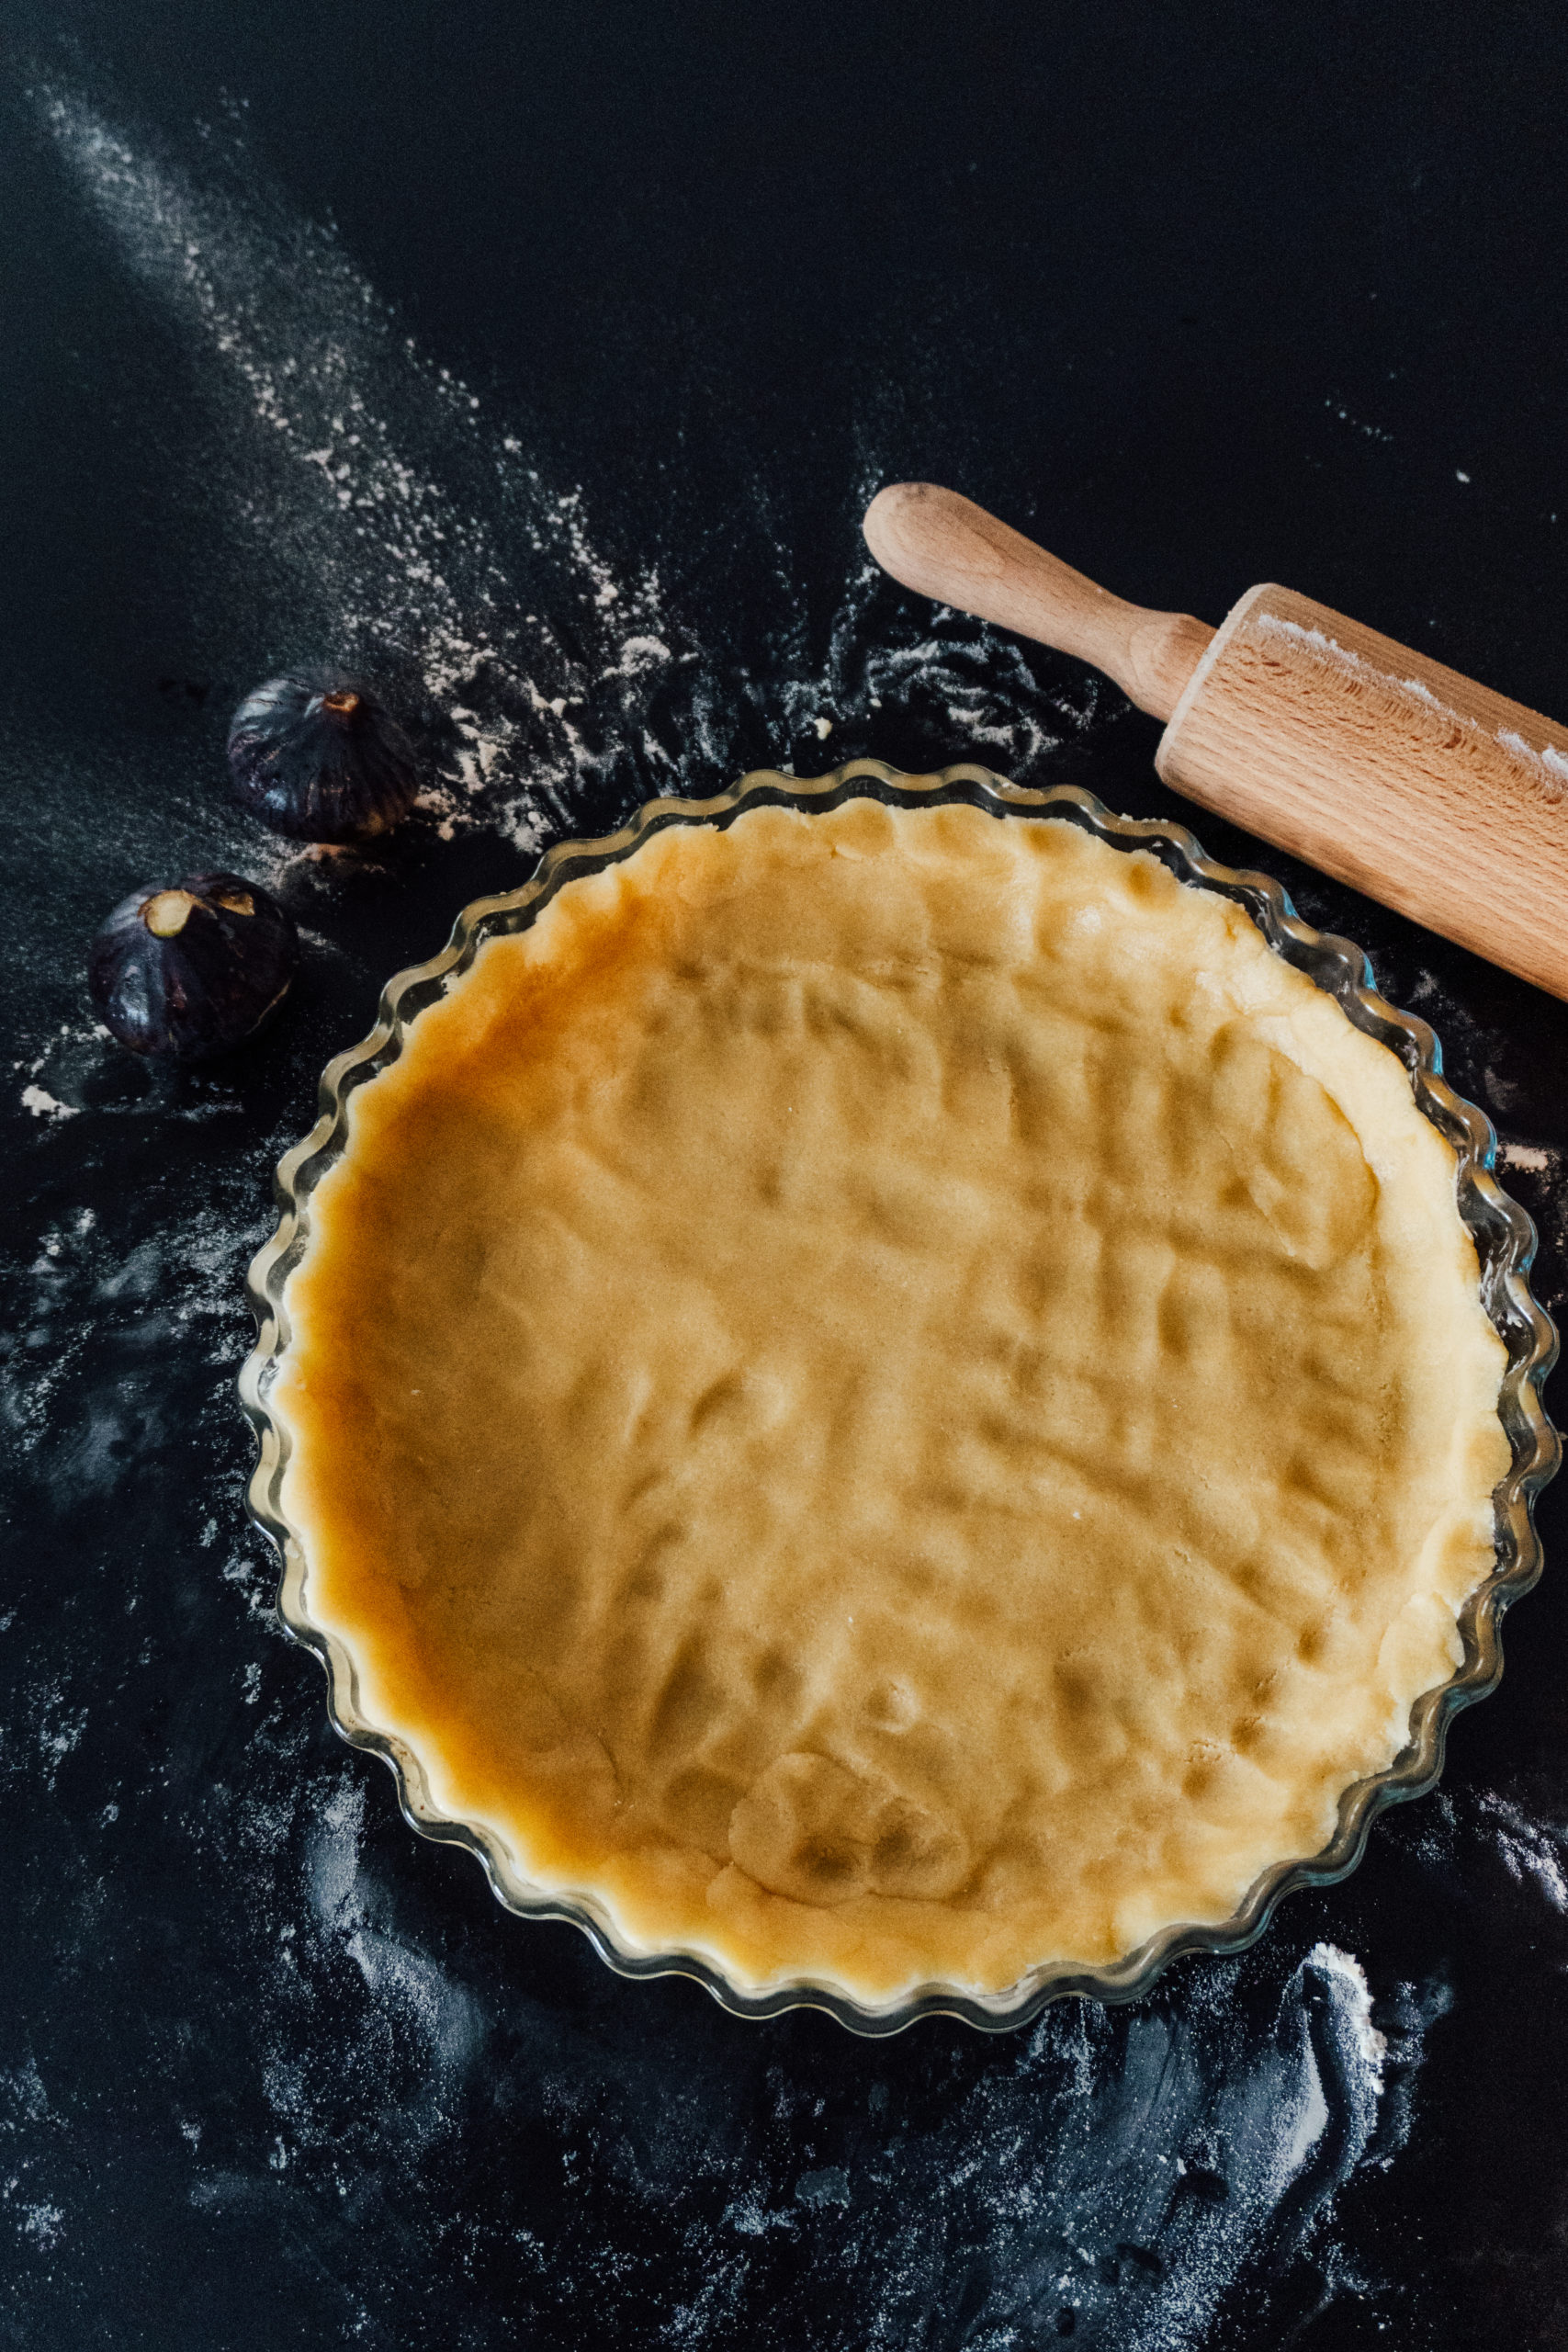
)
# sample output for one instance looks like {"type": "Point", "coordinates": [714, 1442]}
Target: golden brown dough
{"type": "Point", "coordinates": [893, 1396]}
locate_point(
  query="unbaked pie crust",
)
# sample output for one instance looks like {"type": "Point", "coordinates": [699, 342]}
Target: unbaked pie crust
{"type": "Point", "coordinates": [891, 1397]}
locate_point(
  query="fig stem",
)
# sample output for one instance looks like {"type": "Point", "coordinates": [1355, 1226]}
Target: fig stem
{"type": "Point", "coordinates": [342, 704]}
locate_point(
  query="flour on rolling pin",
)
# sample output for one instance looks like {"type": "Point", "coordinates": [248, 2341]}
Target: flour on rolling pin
{"type": "Point", "coordinates": [1384, 768]}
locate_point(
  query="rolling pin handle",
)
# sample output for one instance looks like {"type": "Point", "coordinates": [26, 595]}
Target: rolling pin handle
{"type": "Point", "coordinates": [945, 547]}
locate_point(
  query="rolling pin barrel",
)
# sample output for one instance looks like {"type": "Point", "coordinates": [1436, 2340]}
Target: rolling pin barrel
{"type": "Point", "coordinates": [1381, 766]}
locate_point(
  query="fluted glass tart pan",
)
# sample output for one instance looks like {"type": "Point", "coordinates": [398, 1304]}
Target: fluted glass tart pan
{"type": "Point", "coordinates": [824, 1858]}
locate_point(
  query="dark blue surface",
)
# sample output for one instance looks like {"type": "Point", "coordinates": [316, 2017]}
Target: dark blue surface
{"type": "Point", "coordinates": [404, 337]}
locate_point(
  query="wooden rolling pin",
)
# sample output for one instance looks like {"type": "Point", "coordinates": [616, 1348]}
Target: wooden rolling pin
{"type": "Point", "coordinates": [1373, 762]}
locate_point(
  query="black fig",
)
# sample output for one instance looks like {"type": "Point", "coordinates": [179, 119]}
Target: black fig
{"type": "Point", "coordinates": [183, 974]}
{"type": "Point", "coordinates": [319, 758]}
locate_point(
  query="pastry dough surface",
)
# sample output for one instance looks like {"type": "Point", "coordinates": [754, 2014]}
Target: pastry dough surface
{"type": "Point", "coordinates": [892, 1396]}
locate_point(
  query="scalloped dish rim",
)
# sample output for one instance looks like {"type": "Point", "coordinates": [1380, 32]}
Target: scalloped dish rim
{"type": "Point", "coordinates": [1502, 1234]}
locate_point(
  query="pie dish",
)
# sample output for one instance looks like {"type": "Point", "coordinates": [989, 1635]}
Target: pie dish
{"type": "Point", "coordinates": [891, 1398]}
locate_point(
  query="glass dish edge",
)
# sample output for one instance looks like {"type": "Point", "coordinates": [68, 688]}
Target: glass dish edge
{"type": "Point", "coordinates": [1503, 1233]}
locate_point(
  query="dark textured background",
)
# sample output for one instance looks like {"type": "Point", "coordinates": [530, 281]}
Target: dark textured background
{"type": "Point", "coordinates": [1204, 293]}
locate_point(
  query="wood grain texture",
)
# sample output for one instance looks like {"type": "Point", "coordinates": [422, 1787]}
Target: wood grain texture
{"type": "Point", "coordinates": [944, 545]}
{"type": "Point", "coordinates": [1387, 770]}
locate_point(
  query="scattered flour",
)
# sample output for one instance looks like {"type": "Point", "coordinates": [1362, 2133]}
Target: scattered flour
{"type": "Point", "coordinates": [1534, 1854]}
{"type": "Point", "coordinates": [43, 1104]}
{"type": "Point", "coordinates": [1355, 2008]}
{"type": "Point", "coordinates": [398, 1975]}
{"type": "Point", "coordinates": [1545, 767]}
{"type": "Point", "coordinates": [413, 536]}
{"type": "Point", "coordinates": [43, 2223]}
